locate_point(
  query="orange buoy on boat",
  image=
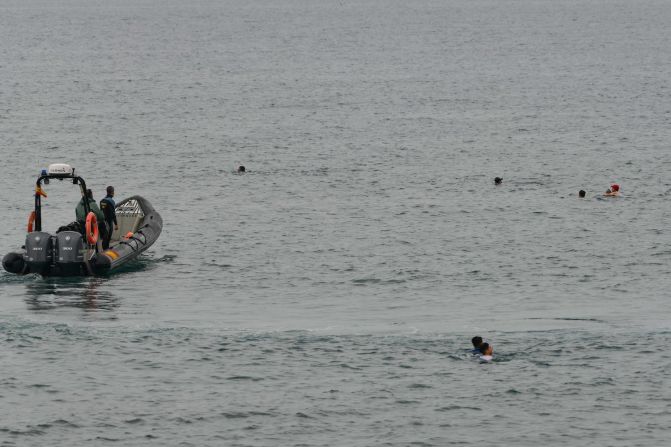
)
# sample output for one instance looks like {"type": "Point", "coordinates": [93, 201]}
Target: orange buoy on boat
{"type": "Point", "coordinates": [91, 228]}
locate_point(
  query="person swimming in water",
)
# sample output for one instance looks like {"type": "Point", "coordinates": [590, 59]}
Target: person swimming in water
{"type": "Point", "coordinates": [497, 180]}
{"type": "Point", "coordinates": [486, 352]}
{"type": "Point", "coordinates": [613, 191]}
{"type": "Point", "coordinates": [581, 193]}
{"type": "Point", "coordinates": [477, 342]}
{"type": "Point", "coordinates": [241, 169]}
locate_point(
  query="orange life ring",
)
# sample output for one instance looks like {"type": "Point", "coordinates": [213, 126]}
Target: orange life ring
{"type": "Point", "coordinates": [91, 228]}
{"type": "Point", "coordinates": [31, 221]}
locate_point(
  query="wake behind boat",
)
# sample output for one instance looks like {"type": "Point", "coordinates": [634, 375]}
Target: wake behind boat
{"type": "Point", "coordinates": [73, 252]}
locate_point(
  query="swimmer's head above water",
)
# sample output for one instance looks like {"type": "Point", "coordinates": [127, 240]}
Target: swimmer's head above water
{"type": "Point", "coordinates": [477, 342]}
{"type": "Point", "coordinates": [581, 193]}
{"type": "Point", "coordinates": [614, 190]}
{"type": "Point", "coordinates": [497, 180]}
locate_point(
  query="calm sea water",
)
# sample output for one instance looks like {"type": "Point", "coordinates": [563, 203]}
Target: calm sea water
{"type": "Point", "coordinates": [327, 296]}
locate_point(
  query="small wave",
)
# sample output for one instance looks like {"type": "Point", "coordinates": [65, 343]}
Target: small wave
{"type": "Point", "coordinates": [134, 421]}
{"type": "Point", "coordinates": [566, 319]}
{"type": "Point", "coordinates": [407, 401]}
{"type": "Point", "coordinates": [346, 366]}
{"type": "Point", "coordinates": [458, 407]}
{"type": "Point", "coordinates": [165, 258]}
{"type": "Point", "coordinates": [105, 438]}
{"type": "Point", "coordinates": [65, 423]}
{"type": "Point", "coordinates": [250, 378]}
{"type": "Point", "coordinates": [10, 278]}
{"type": "Point", "coordinates": [364, 281]}
{"type": "Point", "coordinates": [603, 381]}
{"type": "Point", "coordinates": [419, 386]}
{"type": "Point", "coordinates": [29, 431]}
{"type": "Point", "coordinates": [235, 414]}
{"type": "Point", "coordinates": [221, 266]}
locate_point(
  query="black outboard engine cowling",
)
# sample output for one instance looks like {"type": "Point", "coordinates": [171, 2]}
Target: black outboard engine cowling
{"type": "Point", "coordinates": [70, 252]}
{"type": "Point", "coordinates": [39, 251]}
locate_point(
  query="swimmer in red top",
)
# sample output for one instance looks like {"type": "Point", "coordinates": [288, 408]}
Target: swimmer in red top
{"type": "Point", "coordinates": [613, 191]}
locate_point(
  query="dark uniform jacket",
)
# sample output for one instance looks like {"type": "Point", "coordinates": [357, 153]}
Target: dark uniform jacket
{"type": "Point", "coordinates": [107, 206]}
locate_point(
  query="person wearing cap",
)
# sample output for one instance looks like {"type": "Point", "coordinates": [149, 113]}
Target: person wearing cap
{"type": "Point", "coordinates": [613, 191]}
{"type": "Point", "coordinates": [108, 206]}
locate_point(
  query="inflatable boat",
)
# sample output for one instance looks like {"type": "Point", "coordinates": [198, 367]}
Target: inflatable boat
{"type": "Point", "coordinates": [76, 249]}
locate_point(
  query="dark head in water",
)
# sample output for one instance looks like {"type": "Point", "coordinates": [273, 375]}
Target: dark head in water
{"type": "Point", "coordinates": [581, 193]}
{"type": "Point", "coordinates": [241, 168]}
{"type": "Point", "coordinates": [497, 180]}
{"type": "Point", "coordinates": [477, 341]}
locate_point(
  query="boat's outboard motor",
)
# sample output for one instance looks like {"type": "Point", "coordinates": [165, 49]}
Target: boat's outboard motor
{"type": "Point", "coordinates": [38, 251]}
{"type": "Point", "coordinates": [70, 252]}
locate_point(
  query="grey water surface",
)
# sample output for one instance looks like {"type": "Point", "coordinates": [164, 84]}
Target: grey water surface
{"type": "Point", "coordinates": [327, 297]}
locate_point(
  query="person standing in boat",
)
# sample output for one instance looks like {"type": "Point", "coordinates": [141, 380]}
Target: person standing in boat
{"type": "Point", "coordinates": [93, 206]}
{"type": "Point", "coordinates": [107, 206]}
